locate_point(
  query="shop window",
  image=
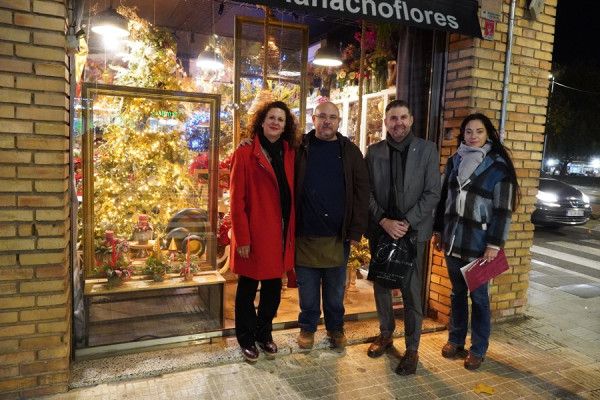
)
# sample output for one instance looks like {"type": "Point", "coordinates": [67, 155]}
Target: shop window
{"type": "Point", "coordinates": [149, 214]}
{"type": "Point", "coordinates": [271, 65]}
{"type": "Point", "coordinates": [153, 137]}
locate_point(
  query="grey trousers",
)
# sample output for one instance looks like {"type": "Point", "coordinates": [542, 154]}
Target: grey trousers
{"type": "Point", "coordinates": [413, 305]}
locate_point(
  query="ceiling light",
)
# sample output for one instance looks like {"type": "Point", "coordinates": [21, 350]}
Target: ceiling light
{"type": "Point", "coordinates": [110, 23]}
{"type": "Point", "coordinates": [210, 60]}
{"type": "Point", "coordinates": [327, 56]}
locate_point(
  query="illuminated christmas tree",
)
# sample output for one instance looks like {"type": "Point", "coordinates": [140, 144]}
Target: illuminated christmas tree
{"type": "Point", "coordinates": [142, 156]}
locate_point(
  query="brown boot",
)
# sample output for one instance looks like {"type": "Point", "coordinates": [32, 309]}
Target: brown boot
{"type": "Point", "coordinates": [473, 362]}
{"type": "Point", "coordinates": [380, 345]}
{"type": "Point", "coordinates": [450, 351]}
{"type": "Point", "coordinates": [338, 340]}
{"type": "Point", "coordinates": [306, 339]}
{"type": "Point", "coordinates": [408, 363]}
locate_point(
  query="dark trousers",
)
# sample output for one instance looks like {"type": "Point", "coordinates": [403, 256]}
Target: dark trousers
{"type": "Point", "coordinates": [412, 296]}
{"type": "Point", "coordinates": [250, 325]}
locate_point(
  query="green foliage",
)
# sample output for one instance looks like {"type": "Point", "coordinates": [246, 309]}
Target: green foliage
{"type": "Point", "coordinates": [193, 265]}
{"type": "Point", "coordinates": [155, 266]}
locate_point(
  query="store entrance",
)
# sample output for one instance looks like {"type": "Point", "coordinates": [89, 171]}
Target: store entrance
{"type": "Point", "coordinates": [151, 162]}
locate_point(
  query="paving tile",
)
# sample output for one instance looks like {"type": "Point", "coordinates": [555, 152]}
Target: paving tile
{"type": "Point", "coordinates": [551, 352]}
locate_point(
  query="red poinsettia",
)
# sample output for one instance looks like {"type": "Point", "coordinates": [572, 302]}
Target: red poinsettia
{"type": "Point", "coordinates": [224, 228]}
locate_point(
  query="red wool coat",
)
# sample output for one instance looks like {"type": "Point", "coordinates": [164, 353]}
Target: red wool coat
{"type": "Point", "coordinates": [256, 214]}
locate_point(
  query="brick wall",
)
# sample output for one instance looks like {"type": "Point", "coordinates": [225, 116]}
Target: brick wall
{"type": "Point", "coordinates": [35, 286]}
{"type": "Point", "coordinates": [474, 84]}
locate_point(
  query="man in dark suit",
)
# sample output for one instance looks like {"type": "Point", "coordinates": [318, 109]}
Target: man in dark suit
{"type": "Point", "coordinates": [415, 167]}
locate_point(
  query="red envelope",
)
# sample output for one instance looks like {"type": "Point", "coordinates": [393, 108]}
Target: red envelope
{"type": "Point", "coordinates": [480, 271]}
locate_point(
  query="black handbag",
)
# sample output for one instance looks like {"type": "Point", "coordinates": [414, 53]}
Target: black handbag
{"type": "Point", "coordinates": [392, 261]}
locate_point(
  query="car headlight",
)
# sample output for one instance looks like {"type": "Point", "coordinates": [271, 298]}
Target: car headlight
{"type": "Point", "coordinates": [585, 198]}
{"type": "Point", "coordinates": [546, 197]}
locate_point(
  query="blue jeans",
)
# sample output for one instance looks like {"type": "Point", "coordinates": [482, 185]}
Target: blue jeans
{"type": "Point", "coordinates": [459, 311]}
{"type": "Point", "coordinates": [333, 279]}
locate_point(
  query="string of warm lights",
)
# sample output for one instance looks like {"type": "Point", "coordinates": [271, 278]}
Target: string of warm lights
{"type": "Point", "coordinates": [142, 155]}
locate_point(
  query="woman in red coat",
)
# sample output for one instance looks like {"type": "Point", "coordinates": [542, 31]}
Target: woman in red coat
{"type": "Point", "coordinates": [263, 222]}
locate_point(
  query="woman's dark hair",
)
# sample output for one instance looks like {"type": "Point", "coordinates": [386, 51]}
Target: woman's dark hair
{"type": "Point", "coordinates": [497, 147]}
{"type": "Point", "coordinates": [289, 133]}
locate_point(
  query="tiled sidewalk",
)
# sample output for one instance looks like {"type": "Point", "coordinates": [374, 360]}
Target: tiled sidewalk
{"type": "Point", "coordinates": [552, 353]}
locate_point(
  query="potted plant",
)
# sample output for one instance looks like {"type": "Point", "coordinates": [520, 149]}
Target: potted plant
{"type": "Point", "coordinates": [158, 268]}
{"type": "Point", "coordinates": [114, 267]}
{"type": "Point", "coordinates": [188, 266]}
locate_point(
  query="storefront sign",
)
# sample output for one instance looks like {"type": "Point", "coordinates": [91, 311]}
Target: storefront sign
{"type": "Point", "coordinates": [445, 15]}
{"type": "Point", "coordinates": [491, 9]}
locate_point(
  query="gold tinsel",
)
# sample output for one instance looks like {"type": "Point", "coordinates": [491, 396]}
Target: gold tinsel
{"type": "Point", "coordinates": [359, 255]}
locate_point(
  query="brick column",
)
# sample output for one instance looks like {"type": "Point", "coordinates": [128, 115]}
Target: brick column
{"type": "Point", "coordinates": [474, 84]}
{"type": "Point", "coordinates": [35, 285]}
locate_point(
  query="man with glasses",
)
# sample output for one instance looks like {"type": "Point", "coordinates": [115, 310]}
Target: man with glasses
{"type": "Point", "coordinates": [332, 197]}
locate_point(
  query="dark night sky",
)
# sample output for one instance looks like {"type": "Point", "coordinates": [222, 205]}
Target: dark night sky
{"type": "Point", "coordinates": [577, 35]}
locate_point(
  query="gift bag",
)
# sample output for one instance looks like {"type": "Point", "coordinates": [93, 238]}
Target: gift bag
{"type": "Point", "coordinates": [393, 260]}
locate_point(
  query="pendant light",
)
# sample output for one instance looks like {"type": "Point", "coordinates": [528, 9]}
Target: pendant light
{"type": "Point", "coordinates": [109, 23]}
{"type": "Point", "coordinates": [327, 56]}
{"type": "Point", "coordinates": [264, 95]}
{"type": "Point", "coordinates": [210, 59]}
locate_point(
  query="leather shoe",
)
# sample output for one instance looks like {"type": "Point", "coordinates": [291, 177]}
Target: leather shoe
{"type": "Point", "coordinates": [269, 347]}
{"type": "Point", "coordinates": [473, 362]}
{"type": "Point", "coordinates": [380, 345]}
{"type": "Point", "coordinates": [450, 351]}
{"type": "Point", "coordinates": [408, 363]}
{"type": "Point", "coordinates": [250, 353]}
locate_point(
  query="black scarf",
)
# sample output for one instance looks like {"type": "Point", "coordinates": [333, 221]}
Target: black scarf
{"type": "Point", "coordinates": [398, 156]}
{"type": "Point", "coordinates": [275, 151]}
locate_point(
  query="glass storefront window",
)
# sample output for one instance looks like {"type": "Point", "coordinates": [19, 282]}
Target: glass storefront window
{"type": "Point", "coordinates": [152, 144]}
{"type": "Point", "coordinates": [148, 214]}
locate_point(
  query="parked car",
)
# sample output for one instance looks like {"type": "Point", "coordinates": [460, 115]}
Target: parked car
{"type": "Point", "coordinates": [559, 204]}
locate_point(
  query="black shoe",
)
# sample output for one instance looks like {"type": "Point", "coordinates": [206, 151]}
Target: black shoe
{"type": "Point", "coordinates": [250, 353]}
{"type": "Point", "coordinates": [408, 363]}
{"type": "Point", "coordinates": [269, 347]}
{"type": "Point", "coordinates": [380, 345]}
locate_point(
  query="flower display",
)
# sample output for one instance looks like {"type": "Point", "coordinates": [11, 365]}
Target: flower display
{"type": "Point", "coordinates": [224, 228]}
{"type": "Point", "coordinates": [201, 162]}
{"type": "Point", "coordinates": [142, 225]}
{"type": "Point", "coordinates": [156, 267]}
{"type": "Point", "coordinates": [380, 46]}
{"type": "Point", "coordinates": [142, 231]}
{"type": "Point", "coordinates": [111, 262]}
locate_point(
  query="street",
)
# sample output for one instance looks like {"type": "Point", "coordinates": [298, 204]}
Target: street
{"type": "Point", "coordinates": [568, 258]}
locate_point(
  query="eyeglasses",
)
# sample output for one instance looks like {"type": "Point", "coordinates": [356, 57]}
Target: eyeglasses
{"type": "Point", "coordinates": [332, 118]}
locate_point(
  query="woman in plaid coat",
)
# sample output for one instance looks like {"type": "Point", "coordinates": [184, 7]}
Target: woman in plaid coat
{"type": "Point", "coordinates": [479, 193]}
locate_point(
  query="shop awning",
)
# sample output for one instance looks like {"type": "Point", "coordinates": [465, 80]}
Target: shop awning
{"type": "Point", "coordinates": [459, 16]}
